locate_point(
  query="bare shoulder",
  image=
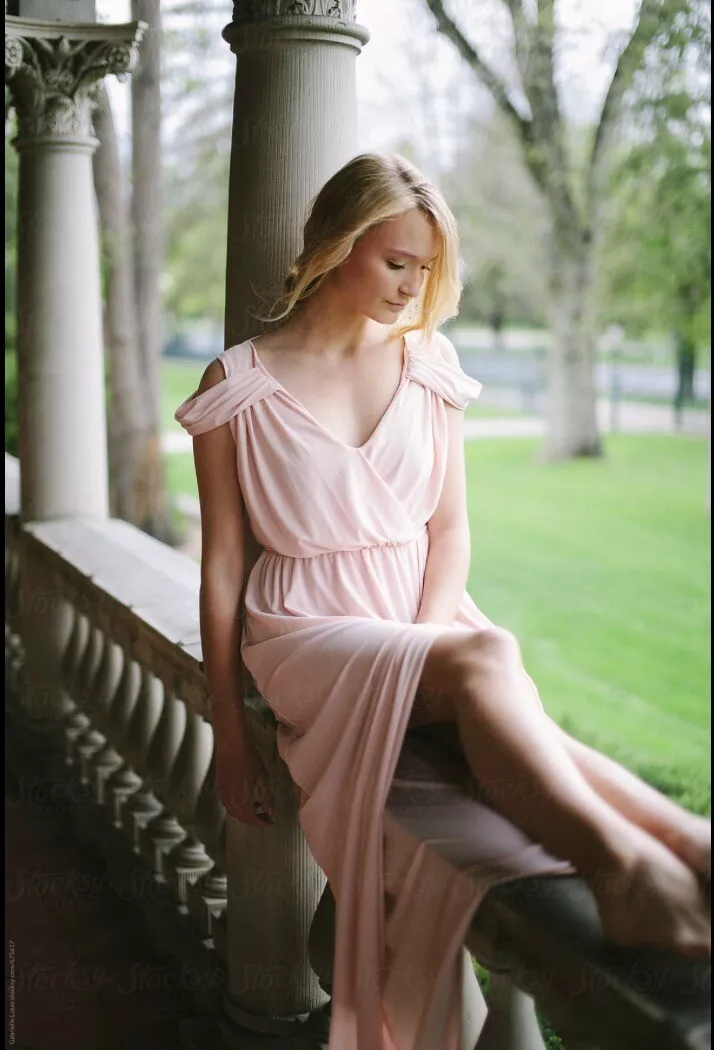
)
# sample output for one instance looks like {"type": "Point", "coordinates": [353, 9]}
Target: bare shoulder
{"type": "Point", "coordinates": [213, 375]}
{"type": "Point", "coordinates": [274, 343]}
{"type": "Point", "coordinates": [447, 349]}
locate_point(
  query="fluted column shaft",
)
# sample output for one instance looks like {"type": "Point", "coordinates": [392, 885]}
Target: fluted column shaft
{"type": "Point", "coordinates": [294, 125]}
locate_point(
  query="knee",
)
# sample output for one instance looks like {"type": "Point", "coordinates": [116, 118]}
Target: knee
{"type": "Point", "coordinates": [488, 650]}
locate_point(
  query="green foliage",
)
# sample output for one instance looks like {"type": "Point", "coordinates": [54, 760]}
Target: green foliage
{"type": "Point", "coordinates": [11, 417]}
{"type": "Point", "coordinates": [179, 378]}
{"type": "Point", "coordinates": [657, 257]}
{"type": "Point", "coordinates": [657, 264]}
{"type": "Point", "coordinates": [196, 224]}
{"type": "Point", "coordinates": [198, 76]}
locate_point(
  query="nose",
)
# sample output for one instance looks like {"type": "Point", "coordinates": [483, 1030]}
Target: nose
{"type": "Point", "coordinates": [410, 286]}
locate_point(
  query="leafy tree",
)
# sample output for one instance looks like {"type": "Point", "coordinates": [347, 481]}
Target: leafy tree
{"type": "Point", "coordinates": [198, 77]}
{"type": "Point", "coordinates": [665, 29]}
{"type": "Point", "coordinates": [657, 264]}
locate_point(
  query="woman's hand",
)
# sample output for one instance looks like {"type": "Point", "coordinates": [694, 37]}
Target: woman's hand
{"type": "Point", "coordinates": [243, 785]}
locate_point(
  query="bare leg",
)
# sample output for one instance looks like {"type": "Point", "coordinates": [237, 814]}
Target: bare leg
{"type": "Point", "coordinates": [685, 833]}
{"type": "Point", "coordinates": [645, 894]}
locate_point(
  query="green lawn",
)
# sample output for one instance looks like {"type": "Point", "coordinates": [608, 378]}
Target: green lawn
{"type": "Point", "coordinates": [179, 378]}
{"type": "Point", "coordinates": [601, 568]}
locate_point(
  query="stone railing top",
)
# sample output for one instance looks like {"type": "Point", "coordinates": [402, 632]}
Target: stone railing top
{"type": "Point", "coordinates": [153, 589]}
{"type": "Point", "coordinates": [149, 590]}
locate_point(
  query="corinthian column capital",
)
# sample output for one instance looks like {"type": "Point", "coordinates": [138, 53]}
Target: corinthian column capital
{"type": "Point", "coordinates": [53, 71]}
{"type": "Point", "coordinates": [254, 10]}
{"type": "Point", "coordinates": [258, 24]}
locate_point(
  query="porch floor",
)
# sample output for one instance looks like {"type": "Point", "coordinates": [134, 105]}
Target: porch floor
{"type": "Point", "coordinates": [86, 977]}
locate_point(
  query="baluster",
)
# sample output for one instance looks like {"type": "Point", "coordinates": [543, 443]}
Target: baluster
{"type": "Point", "coordinates": [109, 759]}
{"type": "Point", "coordinates": [135, 807]}
{"type": "Point", "coordinates": [163, 831]}
{"type": "Point", "coordinates": [104, 689]}
{"type": "Point", "coordinates": [59, 639]}
{"type": "Point", "coordinates": [87, 672]}
{"type": "Point", "coordinates": [125, 718]}
{"type": "Point", "coordinates": [76, 721]}
{"type": "Point", "coordinates": [207, 898]}
{"type": "Point", "coordinates": [46, 629]}
{"type": "Point", "coordinates": [189, 860]}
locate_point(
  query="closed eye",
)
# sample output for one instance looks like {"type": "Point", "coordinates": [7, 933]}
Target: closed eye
{"type": "Point", "coordinates": [398, 266]}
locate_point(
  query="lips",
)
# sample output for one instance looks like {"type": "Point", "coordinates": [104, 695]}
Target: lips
{"type": "Point", "coordinates": [400, 305]}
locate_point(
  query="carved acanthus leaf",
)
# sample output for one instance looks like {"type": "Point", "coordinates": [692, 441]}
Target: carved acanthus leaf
{"type": "Point", "coordinates": [259, 10]}
{"type": "Point", "coordinates": [53, 81]}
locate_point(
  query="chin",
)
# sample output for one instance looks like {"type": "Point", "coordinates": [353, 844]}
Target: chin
{"type": "Point", "coordinates": [382, 315]}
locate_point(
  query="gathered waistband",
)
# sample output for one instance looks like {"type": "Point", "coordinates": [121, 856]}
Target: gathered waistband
{"type": "Point", "coordinates": [349, 550]}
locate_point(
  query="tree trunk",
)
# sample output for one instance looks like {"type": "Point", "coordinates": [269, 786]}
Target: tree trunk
{"type": "Point", "coordinates": [572, 393]}
{"type": "Point", "coordinates": [146, 213]}
{"type": "Point", "coordinates": [542, 133]}
{"type": "Point", "coordinates": [129, 430]}
{"type": "Point", "coordinates": [686, 364]}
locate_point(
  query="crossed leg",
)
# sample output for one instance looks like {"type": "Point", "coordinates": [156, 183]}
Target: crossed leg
{"type": "Point", "coordinates": [637, 850]}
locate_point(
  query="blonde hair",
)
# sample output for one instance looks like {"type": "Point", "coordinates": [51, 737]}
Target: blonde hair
{"type": "Point", "coordinates": [368, 190]}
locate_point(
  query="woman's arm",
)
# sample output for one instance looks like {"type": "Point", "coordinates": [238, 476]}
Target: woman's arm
{"type": "Point", "coordinates": [447, 565]}
{"type": "Point", "coordinates": [222, 575]}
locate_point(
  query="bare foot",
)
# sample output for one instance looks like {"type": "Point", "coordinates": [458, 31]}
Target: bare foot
{"type": "Point", "coordinates": [649, 898]}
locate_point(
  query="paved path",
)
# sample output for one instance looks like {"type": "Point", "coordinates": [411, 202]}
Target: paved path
{"type": "Point", "coordinates": [633, 417]}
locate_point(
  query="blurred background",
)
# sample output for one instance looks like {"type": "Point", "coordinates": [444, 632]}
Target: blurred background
{"type": "Point", "coordinates": [583, 201]}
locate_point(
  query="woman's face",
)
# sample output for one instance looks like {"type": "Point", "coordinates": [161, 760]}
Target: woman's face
{"type": "Point", "coordinates": [387, 266]}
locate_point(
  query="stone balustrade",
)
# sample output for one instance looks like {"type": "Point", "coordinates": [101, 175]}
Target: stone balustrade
{"type": "Point", "coordinates": [112, 616]}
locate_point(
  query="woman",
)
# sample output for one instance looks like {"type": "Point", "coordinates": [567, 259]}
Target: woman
{"type": "Point", "coordinates": [340, 434]}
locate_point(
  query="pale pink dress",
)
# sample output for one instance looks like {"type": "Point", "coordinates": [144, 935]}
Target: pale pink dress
{"type": "Point", "coordinates": [331, 642]}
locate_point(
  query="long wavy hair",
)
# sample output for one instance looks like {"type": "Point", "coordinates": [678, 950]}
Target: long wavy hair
{"type": "Point", "coordinates": [370, 189]}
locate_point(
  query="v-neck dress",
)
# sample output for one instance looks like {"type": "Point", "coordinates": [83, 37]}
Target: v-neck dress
{"type": "Point", "coordinates": [330, 639]}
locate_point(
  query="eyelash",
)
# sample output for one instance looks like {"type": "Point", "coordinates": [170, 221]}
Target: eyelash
{"type": "Point", "coordinates": [396, 266]}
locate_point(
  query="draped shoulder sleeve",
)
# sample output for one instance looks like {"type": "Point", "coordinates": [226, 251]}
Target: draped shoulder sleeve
{"type": "Point", "coordinates": [243, 386]}
{"type": "Point", "coordinates": [437, 368]}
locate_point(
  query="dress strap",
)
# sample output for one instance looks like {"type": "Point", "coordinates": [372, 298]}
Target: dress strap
{"type": "Point", "coordinates": [215, 406]}
{"type": "Point", "coordinates": [238, 358]}
{"type": "Point", "coordinates": [449, 381]}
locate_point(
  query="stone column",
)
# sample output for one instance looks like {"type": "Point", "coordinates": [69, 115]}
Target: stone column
{"type": "Point", "coordinates": [52, 70]}
{"type": "Point", "coordinates": [294, 125]}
